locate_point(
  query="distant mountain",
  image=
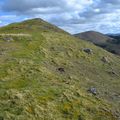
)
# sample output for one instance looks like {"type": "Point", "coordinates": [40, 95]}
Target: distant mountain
{"type": "Point", "coordinates": [47, 74]}
{"type": "Point", "coordinates": [93, 36]}
{"type": "Point", "coordinates": [109, 42]}
{"type": "Point", "coordinates": [115, 36]}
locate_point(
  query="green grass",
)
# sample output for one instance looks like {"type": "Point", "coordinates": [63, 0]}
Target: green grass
{"type": "Point", "coordinates": [32, 88]}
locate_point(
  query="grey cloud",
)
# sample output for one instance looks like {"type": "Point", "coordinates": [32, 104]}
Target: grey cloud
{"type": "Point", "coordinates": [100, 8]}
{"type": "Point", "coordinates": [26, 5]}
{"type": "Point", "coordinates": [72, 15]}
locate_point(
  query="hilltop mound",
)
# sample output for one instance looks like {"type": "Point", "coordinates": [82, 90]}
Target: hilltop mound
{"type": "Point", "coordinates": [45, 73]}
{"type": "Point", "coordinates": [107, 42]}
{"type": "Point", "coordinates": [30, 26]}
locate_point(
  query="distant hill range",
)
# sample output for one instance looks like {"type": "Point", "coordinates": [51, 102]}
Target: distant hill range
{"type": "Point", "coordinates": [110, 42]}
{"type": "Point", "coordinates": [115, 36]}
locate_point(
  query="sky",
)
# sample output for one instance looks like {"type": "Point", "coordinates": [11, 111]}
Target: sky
{"type": "Point", "coordinates": [74, 16]}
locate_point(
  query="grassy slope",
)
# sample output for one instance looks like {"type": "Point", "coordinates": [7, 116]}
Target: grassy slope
{"type": "Point", "coordinates": [32, 88]}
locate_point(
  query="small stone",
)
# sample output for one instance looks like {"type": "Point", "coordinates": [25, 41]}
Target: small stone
{"type": "Point", "coordinates": [93, 91]}
{"type": "Point", "coordinates": [88, 50]}
{"type": "Point", "coordinates": [61, 70]}
{"type": "Point", "coordinates": [8, 39]}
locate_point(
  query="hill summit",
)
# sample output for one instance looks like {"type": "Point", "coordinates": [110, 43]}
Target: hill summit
{"type": "Point", "coordinates": [47, 74]}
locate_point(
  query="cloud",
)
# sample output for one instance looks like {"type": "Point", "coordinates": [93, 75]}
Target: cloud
{"type": "Point", "coordinates": [44, 6]}
{"type": "Point", "coordinates": [23, 6]}
{"type": "Point", "coordinates": [73, 15]}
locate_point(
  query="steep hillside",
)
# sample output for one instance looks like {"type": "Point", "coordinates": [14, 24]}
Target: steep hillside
{"type": "Point", "coordinates": [107, 42]}
{"type": "Point", "coordinates": [47, 74]}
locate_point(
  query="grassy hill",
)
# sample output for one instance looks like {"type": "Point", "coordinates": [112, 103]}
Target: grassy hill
{"type": "Point", "coordinates": [93, 36]}
{"type": "Point", "coordinates": [47, 74]}
{"type": "Point", "coordinates": [108, 42]}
